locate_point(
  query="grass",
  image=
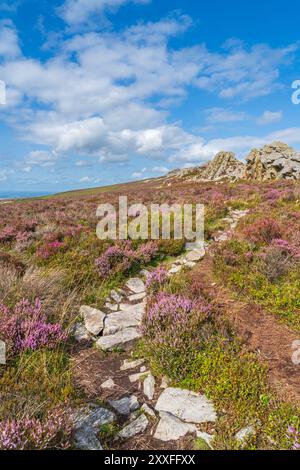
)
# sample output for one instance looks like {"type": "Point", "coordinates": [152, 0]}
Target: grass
{"type": "Point", "coordinates": [236, 383]}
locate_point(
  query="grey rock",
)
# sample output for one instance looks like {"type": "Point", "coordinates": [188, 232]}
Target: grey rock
{"type": "Point", "coordinates": [86, 426]}
{"type": "Point", "coordinates": [116, 296]}
{"type": "Point", "coordinates": [195, 255]}
{"type": "Point", "coordinates": [122, 338]}
{"type": "Point", "coordinates": [140, 375]}
{"type": "Point", "coordinates": [149, 386]}
{"type": "Point", "coordinates": [186, 405]}
{"type": "Point", "coordinates": [134, 297]}
{"type": "Point", "coordinates": [120, 320]}
{"type": "Point", "coordinates": [171, 428]}
{"type": "Point", "coordinates": [125, 405]}
{"type": "Point", "coordinates": [111, 306]}
{"type": "Point", "coordinates": [93, 319]}
{"type": "Point", "coordinates": [81, 333]}
{"type": "Point", "coordinates": [245, 433]}
{"type": "Point", "coordinates": [108, 384]}
{"type": "Point", "coordinates": [175, 269]}
{"type": "Point", "coordinates": [136, 285]}
{"type": "Point", "coordinates": [85, 438]}
{"type": "Point", "coordinates": [135, 427]}
{"type": "Point", "coordinates": [148, 411]}
{"type": "Point", "coordinates": [273, 162]}
{"type": "Point", "coordinates": [132, 364]}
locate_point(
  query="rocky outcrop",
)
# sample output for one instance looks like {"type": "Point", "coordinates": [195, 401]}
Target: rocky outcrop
{"type": "Point", "coordinates": [273, 162]}
{"type": "Point", "coordinates": [223, 167]}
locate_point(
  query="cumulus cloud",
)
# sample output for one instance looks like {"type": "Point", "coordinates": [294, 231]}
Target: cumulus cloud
{"type": "Point", "coordinates": [269, 117]}
{"type": "Point", "coordinates": [107, 95]}
{"type": "Point", "coordinates": [76, 12]}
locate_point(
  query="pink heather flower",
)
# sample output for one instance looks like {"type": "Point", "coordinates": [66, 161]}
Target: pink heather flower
{"type": "Point", "coordinates": [26, 327]}
{"type": "Point", "coordinates": [34, 434]}
{"type": "Point", "coordinates": [122, 257]}
{"type": "Point", "coordinates": [294, 435]}
{"type": "Point", "coordinates": [156, 278]}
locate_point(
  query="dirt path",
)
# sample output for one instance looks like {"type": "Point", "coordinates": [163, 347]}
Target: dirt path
{"type": "Point", "coordinates": [260, 331]}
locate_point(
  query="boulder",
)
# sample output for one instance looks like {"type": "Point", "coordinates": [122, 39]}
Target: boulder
{"type": "Point", "coordinates": [86, 426]}
{"type": "Point", "coordinates": [186, 405]}
{"type": "Point", "coordinates": [171, 428]}
{"type": "Point", "coordinates": [273, 162]}
{"type": "Point", "coordinates": [149, 386]}
{"type": "Point", "coordinates": [125, 405]}
{"type": "Point", "coordinates": [136, 285]}
{"type": "Point", "coordinates": [122, 339]}
{"type": "Point", "coordinates": [93, 319]}
{"type": "Point", "coordinates": [224, 166]}
{"type": "Point", "coordinates": [119, 321]}
{"type": "Point", "coordinates": [137, 426]}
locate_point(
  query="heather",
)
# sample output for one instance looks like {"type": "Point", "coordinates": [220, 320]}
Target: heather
{"type": "Point", "coordinates": [27, 433]}
{"type": "Point", "coordinates": [51, 262]}
{"type": "Point", "coordinates": [26, 327]}
{"type": "Point", "coordinates": [262, 261]}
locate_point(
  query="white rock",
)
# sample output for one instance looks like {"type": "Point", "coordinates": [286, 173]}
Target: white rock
{"type": "Point", "coordinates": [108, 384]}
{"type": "Point", "coordinates": [137, 309]}
{"type": "Point", "coordinates": [190, 264]}
{"type": "Point", "coordinates": [125, 405]}
{"type": "Point", "coordinates": [131, 364]}
{"type": "Point", "coordinates": [144, 272]}
{"type": "Point", "coordinates": [143, 369]}
{"type": "Point", "coordinates": [207, 438]}
{"type": "Point", "coordinates": [81, 333]}
{"type": "Point", "coordinates": [146, 409]}
{"type": "Point", "coordinates": [93, 319]}
{"type": "Point", "coordinates": [171, 428]}
{"type": "Point", "coordinates": [135, 427]}
{"type": "Point", "coordinates": [175, 269]}
{"type": "Point", "coordinates": [134, 297]}
{"type": "Point", "coordinates": [164, 382]}
{"type": "Point", "coordinates": [140, 375]}
{"type": "Point", "coordinates": [136, 285]}
{"type": "Point", "coordinates": [186, 405]}
{"type": "Point", "coordinates": [195, 255]}
{"type": "Point", "coordinates": [116, 296]}
{"type": "Point", "coordinates": [121, 339]}
{"type": "Point", "coordinates": [119, 321]}
{"type": "Point", "coordinates": [245, 433]}
{"type": "Point", "coordinates": [149, 386]}
{"type": "Point", "coordinates": [112, 307]}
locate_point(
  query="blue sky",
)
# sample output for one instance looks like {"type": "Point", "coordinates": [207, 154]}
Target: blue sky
{"type": "Point", "coordinates": [105, 91]}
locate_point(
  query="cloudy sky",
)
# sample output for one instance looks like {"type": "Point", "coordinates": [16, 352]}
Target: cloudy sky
{"type": "Point", "coordinates": [105, 91]}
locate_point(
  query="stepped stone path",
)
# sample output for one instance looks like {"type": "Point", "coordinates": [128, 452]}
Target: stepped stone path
{"type": "Point", "coordinates": [134, 402]}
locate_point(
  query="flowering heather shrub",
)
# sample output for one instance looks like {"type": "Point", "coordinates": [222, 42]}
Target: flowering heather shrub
{"type": "Point", "coordinates": [26, 327]}
{"type": "Point", "coordinates": [294, 435]}
{"type": "Point", "coordinates": [174, 329]}
{"type": "Point", "coordinates": [34, 434]}
{"type": "Point", "coordinates": [286, 247]}
{"type": "Point", "coordinates": [50, 249]}
{"type": "Point", "coordinates": [122, 257]}
{"type": "Point", "coordinates": [263, 231]}
{"type": "Point", "coordinates": [156, 278]}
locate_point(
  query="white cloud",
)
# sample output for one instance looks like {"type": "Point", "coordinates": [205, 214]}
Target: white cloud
{"type": "Point", "coordinates": [108, 95]}
{"type": "Point", "coordinates": [222, 115]}
{"type": "Point", "coordinates": [269, 117]}
{"type": "Point", "coordinates": [76, 12]}
{"type": "Point", "coordinates": [9, 42]}
{"type": "Point", "coordinates": [41, 158]}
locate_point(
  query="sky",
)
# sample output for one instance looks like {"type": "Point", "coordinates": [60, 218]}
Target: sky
{"type": "Point", "coordinates": [106, 91]}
